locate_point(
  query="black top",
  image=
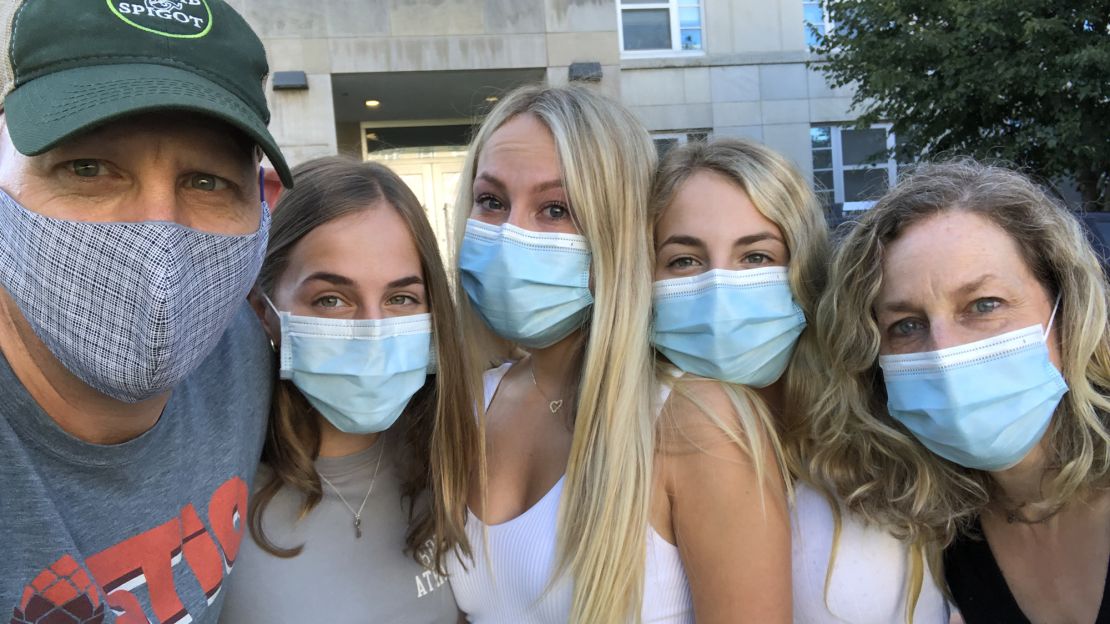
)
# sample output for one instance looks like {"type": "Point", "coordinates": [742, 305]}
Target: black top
{"type": "Point", "coordinates": [979, 589]}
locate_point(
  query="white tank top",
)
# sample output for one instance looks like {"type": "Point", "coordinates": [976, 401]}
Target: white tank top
{"type": "Point", "coordinates": [869, 579]}
{"type": "Point", "coordinates": [510, 583]}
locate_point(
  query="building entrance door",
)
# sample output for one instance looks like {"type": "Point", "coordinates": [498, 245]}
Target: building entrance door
{"type": "Point", "coordinates": [433, 175]}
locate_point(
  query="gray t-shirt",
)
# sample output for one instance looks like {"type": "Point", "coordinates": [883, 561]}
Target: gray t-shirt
{"type": "Point", "coordinates": [338, 578]}
{"type": "Point", "coordinates": [147, 530]}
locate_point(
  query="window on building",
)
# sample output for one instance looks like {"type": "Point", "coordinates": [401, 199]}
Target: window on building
{"type": "Point", "coordinates": [852, 167]}
{"type": "Point", "coordinates": [654, 26]}
{"type": "Point", "coordinates": [666, 141]}
{"type": "Point", "coordinates": [815, 18]}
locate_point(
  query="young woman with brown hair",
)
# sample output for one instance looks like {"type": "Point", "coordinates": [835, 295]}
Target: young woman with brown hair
{"type": "Point", "coordinates": [362, 491]}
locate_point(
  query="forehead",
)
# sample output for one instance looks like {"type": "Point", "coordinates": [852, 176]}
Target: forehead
{"type": "Point", "coordinates": [709, 202]}
{"type": "Point", "coordinates": [522, 146]}
{"type": "Point", "coordinates": [948, 250]}
{"type": "Point", "coordinates": [371, 247]}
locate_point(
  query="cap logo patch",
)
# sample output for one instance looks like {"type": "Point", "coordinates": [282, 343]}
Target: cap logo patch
{"type": "Point", "coordinates": [178, 19]}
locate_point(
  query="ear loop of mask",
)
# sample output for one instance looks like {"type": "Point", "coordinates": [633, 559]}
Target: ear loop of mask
{"type": "Point", "coordinates": [262, 186]}
{"type": "Point", "coordinates": [276, 312]}
{"type": "Point", "coordinates": [1051, 318]}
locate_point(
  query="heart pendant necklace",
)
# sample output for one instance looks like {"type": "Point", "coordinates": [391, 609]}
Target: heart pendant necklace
{"type": "Point", "coordinates": [555, 405]}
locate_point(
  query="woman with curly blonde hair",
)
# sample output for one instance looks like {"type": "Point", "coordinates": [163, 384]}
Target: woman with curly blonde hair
{"type": "Point", "coordinates": [965, 327]}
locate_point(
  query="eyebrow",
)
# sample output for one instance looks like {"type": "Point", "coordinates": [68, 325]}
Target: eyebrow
{"type": "Point", "coordinates": [405, 281]}
{"type": "Point", "coordinates": [755, 238]}
{"type": "Point", "coordinates": [965, 289]}
{"type": "Point", "coordinates": [682, 239]}
{"type": "Point", "coordinates": [539, 188]}
{"type": "Point", "coordinates": [693, 241]}
{"type": "Point", "coordinates": [331, 278]}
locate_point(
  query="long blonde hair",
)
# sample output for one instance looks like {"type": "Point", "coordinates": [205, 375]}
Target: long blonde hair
{"type": "Point", "coordinates": [437, 432]}
{"type": "Point", "coordinates": [607, 159]}
{"type": "Point", "coordinates": [871, 461]}
{"type": "Point", "coordinates": [780, 193]}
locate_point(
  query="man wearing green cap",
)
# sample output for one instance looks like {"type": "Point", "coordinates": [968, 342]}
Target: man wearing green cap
{"type": "Point", "coordinates": [135, 382]}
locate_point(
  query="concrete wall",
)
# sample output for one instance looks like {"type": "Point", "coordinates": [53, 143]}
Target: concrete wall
{"type": "Point", "coordinates": [356, 36]}
{"type": "Point", "coordinates": [752, 80]}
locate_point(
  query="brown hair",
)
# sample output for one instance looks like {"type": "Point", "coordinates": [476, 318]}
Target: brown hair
{"type": "Point", "coordinates": [867, 458]}
{"type": "Point", "coordinates": [437, 433]}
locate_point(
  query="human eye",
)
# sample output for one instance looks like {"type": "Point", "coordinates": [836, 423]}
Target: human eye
{"type": "Point", "coordinates": [907, 327]}
{"type": "Point", "coordinates": [207, 182]}
{"type": "Point", "coordinates": [402, 300]}
{"type": "Point", "coordinates": [330, 302]}
{"type": "Point", "coordinates": [986, 305]}
{"type": "Point", "coordinates": [556, 211]}
{"type": "Point", "coordinates": [488, 202]}
{"type": "Point", "coordinates": [683, 262]}
{"type": "Point", "coordinates": [87, 167]}
{"type": "Point", "coordinates": [757, 258]}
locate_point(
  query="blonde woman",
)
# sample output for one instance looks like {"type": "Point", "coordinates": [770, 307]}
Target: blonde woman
{"type": "Point", "coordinates": [362, 491]}
{"type": "Point", "coordinates": [741, 250]}
{"type": "Point", "coordinates": [966, 328]}
{"type": "Point", "coordinates": [587, 517]}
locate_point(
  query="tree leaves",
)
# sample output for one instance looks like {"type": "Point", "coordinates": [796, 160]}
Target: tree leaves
{"type": "Point", "coordinates": [1027, 81]}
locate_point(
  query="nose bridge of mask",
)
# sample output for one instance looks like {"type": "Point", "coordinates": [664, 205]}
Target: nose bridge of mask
{"type": "Point", "coordinates": [297, 332]}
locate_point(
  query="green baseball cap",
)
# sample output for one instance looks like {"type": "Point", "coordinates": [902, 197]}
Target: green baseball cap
{"type": "Point", "coordinates": [72, 65]}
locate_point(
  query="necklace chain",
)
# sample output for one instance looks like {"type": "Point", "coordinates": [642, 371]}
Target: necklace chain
{"type": "Point", "coordinates": [358, 514]}
{"type": "Point", "coordinates": [555, 405]}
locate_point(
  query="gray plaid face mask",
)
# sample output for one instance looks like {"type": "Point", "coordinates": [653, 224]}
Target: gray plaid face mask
{"type": "Point", "coordinates": [129, 308]}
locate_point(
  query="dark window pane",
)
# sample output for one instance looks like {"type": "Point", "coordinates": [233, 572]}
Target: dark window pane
{"type": "Point", "coordinates": [691, 39]}
{"type": "Point", "coordinates": [697, 137]}
{"type": "Point", "coordinates": [819, 136]}
{"type": "Point", "coordinates": [822, 159]}
{"type": "Point", "coordinates": [662, 146]}
{"type": "Point", "coordinates": [864, 184]}
{"type": "Point", "coordinates": [648, 29]}
{"type": "Point", "coordinates": [823, 180]}
{"type": "Point", "coordinates": [863, 147]}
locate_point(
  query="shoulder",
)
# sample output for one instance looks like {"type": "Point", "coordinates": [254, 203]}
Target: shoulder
{"type": "Point", "coordinates": [229, 394]}
{"type": "Point", "coordinates": [699, 413]}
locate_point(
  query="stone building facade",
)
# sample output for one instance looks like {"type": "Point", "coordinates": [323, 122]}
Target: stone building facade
{"type": "Point", "coordinates": [404, 80]}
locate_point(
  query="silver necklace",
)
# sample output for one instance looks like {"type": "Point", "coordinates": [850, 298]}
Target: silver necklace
{"type": "Point", "coordinates": [554, 406]}
{"type": "Point", "coordinates": [358, 514]}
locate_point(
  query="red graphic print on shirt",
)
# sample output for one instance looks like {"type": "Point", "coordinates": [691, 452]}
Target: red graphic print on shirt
{"type": "Point", "coordinates": [66, 591]}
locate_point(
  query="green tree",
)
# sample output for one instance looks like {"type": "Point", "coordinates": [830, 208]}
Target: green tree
{"type": "Point", "coordinates": [1026, 81]}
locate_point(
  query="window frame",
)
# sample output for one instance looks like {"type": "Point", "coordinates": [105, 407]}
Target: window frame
{"type": "Point", "coordinates": [672, 7]}
{"type": "Point", "coordinates": [681, 137]}
{"type": "Point", "coordinates": [826, 23]}
{"type": "Point", "coordinates": [836, 146]}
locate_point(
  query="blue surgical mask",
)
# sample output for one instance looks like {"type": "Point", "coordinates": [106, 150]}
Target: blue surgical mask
{"type": "Point", "coordinates": [531, 288]}
{"type": "Point", "coordinates": [735, 326]}
{"type": "Point", "coordinates": [359, 374]}
{"type": "Point", "coordinates": [982, 405]}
